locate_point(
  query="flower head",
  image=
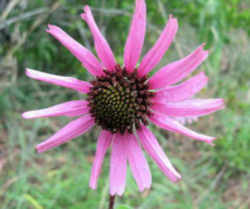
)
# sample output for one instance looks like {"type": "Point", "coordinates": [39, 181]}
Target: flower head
{"type": "Point", "coordinates": [122, 100]}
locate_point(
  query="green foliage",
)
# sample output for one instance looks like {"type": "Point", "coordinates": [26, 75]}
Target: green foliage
{"type": "Point", "coordinates": [213, 18]}
{"type": "Point", "coordinates": [232, 149]}
{"type": "Point", "coordinates": [59, 179]}
{"type": "Point", "coordinates": [123, 207]}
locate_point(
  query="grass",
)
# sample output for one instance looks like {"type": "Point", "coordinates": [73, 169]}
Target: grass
{"type": "Point", "coordinates": [213, 177]}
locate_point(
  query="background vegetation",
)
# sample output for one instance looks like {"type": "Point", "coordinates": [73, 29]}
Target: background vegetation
{"type": "Point", "coordinates": [213, 177]}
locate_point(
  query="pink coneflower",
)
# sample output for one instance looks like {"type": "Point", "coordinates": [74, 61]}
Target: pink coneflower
{"type": "Point", "coordinates": [122, 100]}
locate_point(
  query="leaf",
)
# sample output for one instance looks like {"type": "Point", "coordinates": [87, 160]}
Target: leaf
{"type": "Point", "coordinates": [33, 202]}
{"type": "Point", "coordinates": [123, 207]}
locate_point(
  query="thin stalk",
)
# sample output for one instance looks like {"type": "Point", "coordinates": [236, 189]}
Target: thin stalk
{"type": "Point", "coordinates": [111, 201]}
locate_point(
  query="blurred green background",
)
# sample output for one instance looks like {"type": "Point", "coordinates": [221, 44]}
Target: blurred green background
{"type": "Point", "coordinates": [213, 177]}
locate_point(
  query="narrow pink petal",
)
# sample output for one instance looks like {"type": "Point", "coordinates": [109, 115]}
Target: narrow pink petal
{"type": "Point", "coordinates": [193, 107]}
{"type": "Point", "coordinates": [72, 108]}
{"type": "Point", "coordinates": [176, 71]}
{"type": "Point", "coordinates": [152, 147]}
{"type": "Point", "coordinates": [118, 165]}
{"type": "Point", "coordinates": [68, 82]}
{"type": "Point", "coordinates": [88, 60]}
{"type": "Point", "coordinates": [71, 130]}
{"type": "Point", "coordinates": [103, 144]}
{"type": "Point", "coordinates": [183, 91]}
{"type": "Point", "coordinates": [136, 36]}
{"type": "Point", "coordinates": [101, 45]}
{"type": "Point", "coordinates": [172, 125]}
{"type": "Point", "coordinates": [155, 54]}
{"type": "Point", "coordinates": [138, 164]}
{"type": "Point", "coordinates": [186, 120]}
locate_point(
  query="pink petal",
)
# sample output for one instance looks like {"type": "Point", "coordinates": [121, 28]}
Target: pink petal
{"type": "Point", "coordinates": [68, 82]}
{"type": "Point", "coordinates": [103, 144]}
{"type": "Point", "coordinates": [186, 120]}
{"type": "Point", "coordinates": [183, 91]}
{"type": "Point", "coordinates": [194, 107]}
{"type": "Point", "coordinates": [155, 54]}
{"type": "Point", "coordinates": [73, 108]}
{"type": "Point", "coordinates": [176, 71]}
{"type": "Point", "coordinates": [138, 164]}
{"type": "Point", "coordinates": [152, 147]}
{"type": "Point", "coordinates": [88, 60]}
{"type": "Point", "coordinates": [118, 165]}
{"type": "Point", "coordinates": [172, 125]}
{"type": "Point", "coordinates": [71, 130]}
{"type": "Point", "coordinates": [136, 35]}
{"type": "Point", "coordinates": [101, 45]}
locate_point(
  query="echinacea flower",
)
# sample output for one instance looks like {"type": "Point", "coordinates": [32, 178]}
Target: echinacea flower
{"type": "Point", "coordinates": [122, 100]}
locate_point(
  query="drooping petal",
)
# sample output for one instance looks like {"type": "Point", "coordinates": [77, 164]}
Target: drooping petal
{"type": "Point", "coordinates": [136, 36]}
{"type": "Point", "coordinates": [88, 60]}
{"type": "Point", "coordinates": [183, 91]}
{"type": "Point", "coordinates": [101, 45]}
{"type": "Point", "coordinates": [152, 147]}
{"type": "Point", "coordinates": [68, 82]}
{"type": "Point", "coordinates": [176, 71]}
{"type": "Point", "coordinates": [71, 109]}
{"type": "Point", "coordinates": [103, 144]}
{"type": "Point", "coordinates": [171, 125]}
{"type": "Point", "coordinates": [72, 130]}
{"type": "Point", "coordinates": [155, 54]}
{"type": "Point", "coordinates": [138, 164]}
{"type": "Point", "coordinates": [118, 165]}
{"type": "Point", "coordinates": [186, 120]}
{"type": "Point", "coordinates": [193, 107]}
